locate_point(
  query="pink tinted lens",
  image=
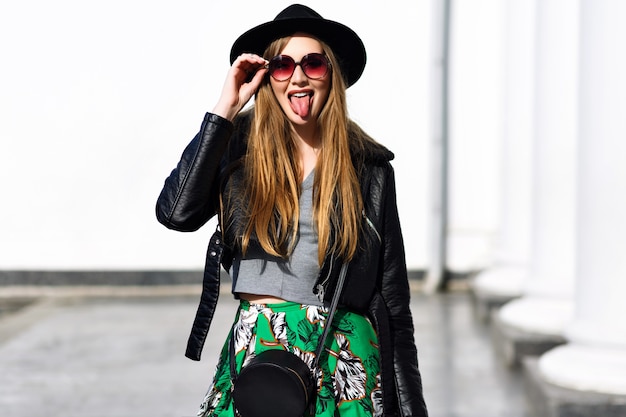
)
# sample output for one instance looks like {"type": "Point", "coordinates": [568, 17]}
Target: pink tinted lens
{"type": "Point", "coordinates": [281, 67]}
{"type": "Point", "coordinates": [315, 66]}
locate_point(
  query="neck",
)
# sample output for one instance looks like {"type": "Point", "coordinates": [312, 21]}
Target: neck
{"type": "Point", "coordinates": [307, 135]}
{"type": "Point", "coordinates": [309, 144]}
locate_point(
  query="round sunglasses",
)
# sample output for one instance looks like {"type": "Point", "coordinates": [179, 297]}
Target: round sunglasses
{"type": "Point", "coordinates": [314, 66]}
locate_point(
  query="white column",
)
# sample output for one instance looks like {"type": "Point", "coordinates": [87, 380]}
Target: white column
{"type": "Point", "coordinates": [506, 277]}
{"type": "Point", "coordinates": [548, 290]}
{"type": "Point", "coordinates": [595, 359]}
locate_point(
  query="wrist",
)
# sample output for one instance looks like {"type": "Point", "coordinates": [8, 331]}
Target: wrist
{"type": "Point", "coordinates": [225, 111]}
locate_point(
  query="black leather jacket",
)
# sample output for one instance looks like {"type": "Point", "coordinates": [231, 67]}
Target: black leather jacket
{"type": "Point", "coordinates": [376, 283]}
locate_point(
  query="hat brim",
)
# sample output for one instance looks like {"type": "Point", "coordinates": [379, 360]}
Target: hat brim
{"type": "Point", "coordinates": [345, 43]}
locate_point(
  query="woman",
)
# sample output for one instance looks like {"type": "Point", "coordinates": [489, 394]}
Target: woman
{"type": "Point", "coordinates": [300, 190]}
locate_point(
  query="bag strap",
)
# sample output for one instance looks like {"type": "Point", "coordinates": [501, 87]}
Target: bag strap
{"type": "Point", "coordinates": [320, 345]}
{"type": "Point", "coordinates": [331, 315]}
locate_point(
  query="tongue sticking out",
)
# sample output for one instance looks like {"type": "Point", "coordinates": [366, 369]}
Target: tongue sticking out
{"type": "Point", "coordinates": [301, 105]}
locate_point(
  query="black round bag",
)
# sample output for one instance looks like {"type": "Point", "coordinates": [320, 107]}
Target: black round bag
{"type": "Point", "coordinates": [275, 383]}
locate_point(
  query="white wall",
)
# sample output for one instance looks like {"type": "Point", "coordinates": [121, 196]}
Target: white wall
{"type": "Point", "coordinates": [98, 99]}
{"type": "Point", "coordinates": [476, 113]}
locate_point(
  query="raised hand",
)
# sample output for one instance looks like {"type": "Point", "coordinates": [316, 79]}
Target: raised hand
{"type": "Point", "coordinates": [242, 81]}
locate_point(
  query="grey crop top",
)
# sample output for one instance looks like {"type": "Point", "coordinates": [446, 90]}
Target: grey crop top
{"type": "Point", "coordinates": [293, 279]}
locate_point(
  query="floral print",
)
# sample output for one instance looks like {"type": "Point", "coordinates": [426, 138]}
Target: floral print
{"type": "Point", "coordinates": [349, 377]}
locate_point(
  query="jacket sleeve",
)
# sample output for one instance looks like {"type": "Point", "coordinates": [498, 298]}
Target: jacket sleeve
{"type": "Point", "coordinates": [396, 295]}
{"type": "Point", "coordinates": [190, 196]}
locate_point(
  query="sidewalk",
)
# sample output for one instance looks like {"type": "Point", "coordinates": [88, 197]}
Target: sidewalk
{"type": "Point", "coordinates": [101, 354]}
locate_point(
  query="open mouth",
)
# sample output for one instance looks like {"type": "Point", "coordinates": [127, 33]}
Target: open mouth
{"type": "Point", "coordinates": [301, 102]}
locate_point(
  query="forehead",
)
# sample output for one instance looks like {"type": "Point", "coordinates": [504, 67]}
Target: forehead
{"type": "Point", "coordinates": [301, 44]}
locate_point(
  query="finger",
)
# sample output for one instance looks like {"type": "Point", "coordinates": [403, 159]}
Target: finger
{"type": "Point", "coordinates": [249, 59]}
{"type": "Point", "coordinates": [246, 66]}
{"type": "Point", "coordinates": [254, 64]}
{"type": "Point", "coordinates": [254, 57]}
{"type": "Point", "coordinates": [255, 77]}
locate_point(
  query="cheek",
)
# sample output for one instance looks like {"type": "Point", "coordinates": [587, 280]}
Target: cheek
{"type": "Point", "coordinates": [279, 95]}
{"type": "Point", "coordinates": [324, 93]}
{"type": "Point", "coordinates": [278, 89]}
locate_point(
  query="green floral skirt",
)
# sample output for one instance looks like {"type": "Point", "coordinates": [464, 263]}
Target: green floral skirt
{"type": "Point", "coordinates": [350, 363]}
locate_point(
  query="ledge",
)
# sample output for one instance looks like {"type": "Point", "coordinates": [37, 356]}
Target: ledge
{"type": "Point", "coordinates": [117, 277]}
{"type": "Point", "coordinates": [513, 345]}
{"type": "Point", "coordinates": [549, 400]}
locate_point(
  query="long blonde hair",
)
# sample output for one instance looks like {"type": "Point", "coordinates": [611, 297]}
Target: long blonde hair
{"type": "Point", "coordinates": [273, 172]}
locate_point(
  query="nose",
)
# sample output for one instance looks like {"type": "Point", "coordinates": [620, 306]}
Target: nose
{"type": "Point", "coordinates": [298, 75]}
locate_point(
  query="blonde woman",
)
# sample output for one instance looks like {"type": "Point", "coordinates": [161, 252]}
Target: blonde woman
{"type": "Point", "coordinates": [300, 190]}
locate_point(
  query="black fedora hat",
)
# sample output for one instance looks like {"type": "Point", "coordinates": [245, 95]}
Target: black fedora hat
{"type": "Point", "coordinates": [344, 42]}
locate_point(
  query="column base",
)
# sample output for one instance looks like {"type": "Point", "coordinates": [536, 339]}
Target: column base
{"type": "Point", "coordinates": [529, 326]}
{"type": "Point", "coordinates": [587, 368]}
{"type": "Point", "coordinates": [495, 287]}
{"type": "Point", "coordinates": [513, 345]}
{"type": "Point", "coordinates": [548, 400]}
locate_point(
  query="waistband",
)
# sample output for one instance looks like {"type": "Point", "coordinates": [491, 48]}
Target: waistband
{"type": "Point", "coordinates": [282, 306]}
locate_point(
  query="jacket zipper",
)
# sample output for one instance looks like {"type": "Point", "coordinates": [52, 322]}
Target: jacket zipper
{"type": "Point", "coordinates": [321, 289]}
{"type": "Point", "coordinates": [371, 225]}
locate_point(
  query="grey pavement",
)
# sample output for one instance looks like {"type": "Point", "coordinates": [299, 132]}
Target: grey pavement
{"type": "Point", "coordinates": [121, 354]}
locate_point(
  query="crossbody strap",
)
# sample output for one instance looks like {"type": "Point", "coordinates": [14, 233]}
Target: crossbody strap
{"type": "Point", "coordinates": [331, 315]}
{"type": "Point", "coordinates": [320, 345]}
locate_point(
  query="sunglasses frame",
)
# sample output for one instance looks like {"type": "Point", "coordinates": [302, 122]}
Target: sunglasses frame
{"type": "Point", "coordinates": [323, 57]}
